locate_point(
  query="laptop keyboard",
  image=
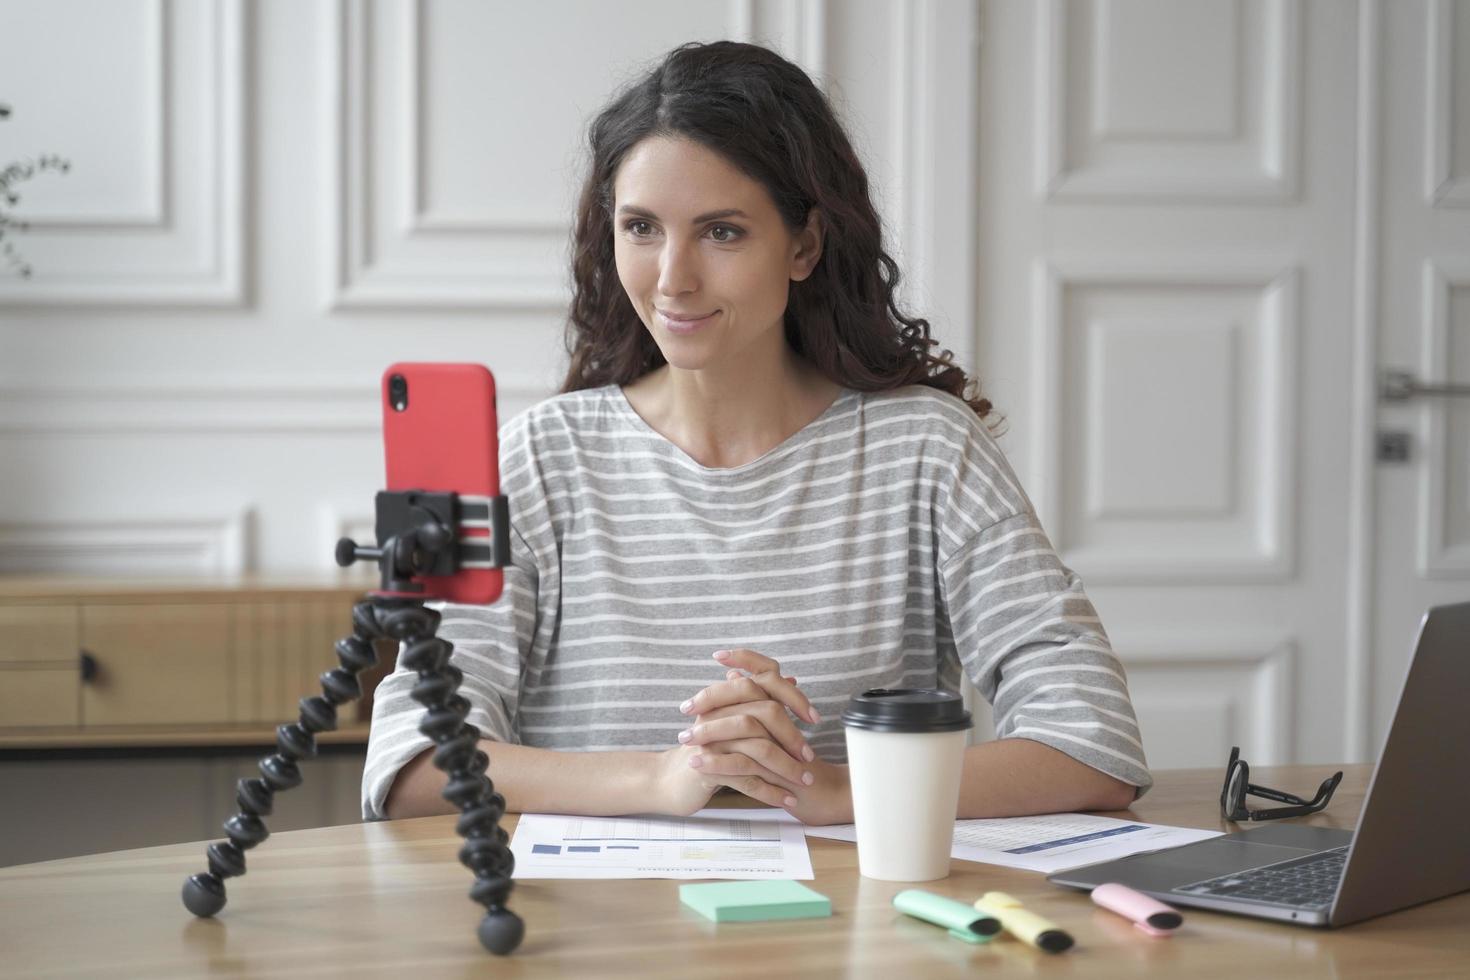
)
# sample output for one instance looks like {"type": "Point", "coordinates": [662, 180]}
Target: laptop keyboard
{"type": "Point", "coordinates": [1307, 882]}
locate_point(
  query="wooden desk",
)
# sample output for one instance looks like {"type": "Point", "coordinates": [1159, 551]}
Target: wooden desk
{"type": "Point", "coordinates": [389, 899]}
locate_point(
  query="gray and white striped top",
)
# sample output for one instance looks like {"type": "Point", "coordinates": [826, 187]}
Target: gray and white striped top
{"type": "Point", "coordinates": [886, 544]}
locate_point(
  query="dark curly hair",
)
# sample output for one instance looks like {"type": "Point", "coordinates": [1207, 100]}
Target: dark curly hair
{"type": "Point", "coordinates": [765, 116]}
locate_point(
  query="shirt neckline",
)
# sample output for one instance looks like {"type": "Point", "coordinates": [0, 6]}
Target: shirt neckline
{"type": "Point", "coordinates": [620, 401]}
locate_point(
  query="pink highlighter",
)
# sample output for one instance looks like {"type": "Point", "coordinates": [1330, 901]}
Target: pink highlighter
{"type": "Point", "coordinates": [1149, 915]}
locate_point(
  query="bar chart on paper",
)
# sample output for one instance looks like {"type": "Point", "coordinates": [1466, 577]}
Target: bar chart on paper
{"type": "Point", "coordinates": [701, 846]}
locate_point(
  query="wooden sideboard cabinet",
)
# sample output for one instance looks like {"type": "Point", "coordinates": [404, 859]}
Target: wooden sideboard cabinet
{"type": "Point", "coordinates": [129, 709]}
{"type": "Point", "coordinates": [116, 662]}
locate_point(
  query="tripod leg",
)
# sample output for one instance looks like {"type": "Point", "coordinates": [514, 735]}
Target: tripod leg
{"type": "Point", "coordinates": [485, 850]}
{"type": "Point", "coordinates": [204, 894]}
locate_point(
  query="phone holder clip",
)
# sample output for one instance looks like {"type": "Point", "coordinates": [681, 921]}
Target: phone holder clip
{"type": "Point", "coordinates": [422, 533]}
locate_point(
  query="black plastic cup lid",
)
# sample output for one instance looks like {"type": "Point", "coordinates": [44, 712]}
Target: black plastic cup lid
{"type": "Point", "coordinates": [882, 710]}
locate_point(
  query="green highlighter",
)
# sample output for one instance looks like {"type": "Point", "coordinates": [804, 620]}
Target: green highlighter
{"type": "Point", "coordinates": [962, 921]}
{"type": "Point", "coordinates": [756, 901]}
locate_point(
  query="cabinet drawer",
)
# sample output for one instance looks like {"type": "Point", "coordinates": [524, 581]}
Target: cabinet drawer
{"type": "Point", "coordinates": [159, 664]}
{"type": "Point", "coordinates": [40, 676]}
{"type": "Point", "coordinates": [40, 695]}
{"type": "Point", "coordinates": [32, 635]}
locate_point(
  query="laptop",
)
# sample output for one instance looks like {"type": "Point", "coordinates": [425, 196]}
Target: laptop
{"type": "Point", "coordinates": [1411, 845]}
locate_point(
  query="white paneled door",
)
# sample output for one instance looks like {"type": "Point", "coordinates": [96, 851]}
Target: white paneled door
{"type": "Point", "coordinates": [1169, 225]}
{"type": "Point", "coordinates": [1422, 545]}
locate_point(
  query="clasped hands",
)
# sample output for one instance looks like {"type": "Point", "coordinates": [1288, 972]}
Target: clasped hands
{"type": "Point", "coordinates": [742, 735]}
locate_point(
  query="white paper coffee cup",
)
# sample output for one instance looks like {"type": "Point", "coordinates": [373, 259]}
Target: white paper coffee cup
{"type": "Point", "coordinates": [905, 753]}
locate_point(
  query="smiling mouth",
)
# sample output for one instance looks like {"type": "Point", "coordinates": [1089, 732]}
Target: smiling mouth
{"type": "Point", "coordinates": [678, 326]}
{"type": "Point", "coordinates": [681, 318]}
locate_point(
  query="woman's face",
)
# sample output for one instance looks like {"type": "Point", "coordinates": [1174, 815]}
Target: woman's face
{"type": "Point", "coordinates": [695, 237]}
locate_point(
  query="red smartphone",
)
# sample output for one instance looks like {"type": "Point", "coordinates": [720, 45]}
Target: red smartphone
{"type": "Point", "coordinates": [440, 436]}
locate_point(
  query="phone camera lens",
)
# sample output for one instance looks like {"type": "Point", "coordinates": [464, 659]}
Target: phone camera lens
{"type": "Point", "coordinates": [398, 392]}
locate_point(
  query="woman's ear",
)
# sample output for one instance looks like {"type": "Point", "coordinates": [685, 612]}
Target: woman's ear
{"type": "Point", "coordinates": [808, 246]}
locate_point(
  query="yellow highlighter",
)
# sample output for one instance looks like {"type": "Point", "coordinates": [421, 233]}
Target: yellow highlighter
{"type": "Point", "coordinates": [1026, 926]}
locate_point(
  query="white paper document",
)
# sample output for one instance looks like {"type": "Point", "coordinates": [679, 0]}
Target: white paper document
{"type": "Point", "coordinates": [716, 843]}
{"type": "Point", "coordinates": [1055, 842]}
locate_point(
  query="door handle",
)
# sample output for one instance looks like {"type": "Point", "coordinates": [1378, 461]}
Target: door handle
{"type": "Point", "coordinates": [1397, 386]}
{"type": "Point", "coordinates": [88, 665]}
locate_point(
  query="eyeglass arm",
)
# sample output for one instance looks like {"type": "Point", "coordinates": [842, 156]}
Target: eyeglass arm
{"type": "Point", "coordinates": [1323, 792]}
{"type": "Point", "coordinates": [1266, 793]}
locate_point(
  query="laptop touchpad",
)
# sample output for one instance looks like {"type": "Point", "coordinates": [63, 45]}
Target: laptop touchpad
{"type": "Point", "coordinates": [1222, 855]}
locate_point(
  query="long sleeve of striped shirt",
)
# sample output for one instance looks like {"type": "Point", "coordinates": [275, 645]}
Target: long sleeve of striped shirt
{"type": "Point", "coordinates": [886, 544]}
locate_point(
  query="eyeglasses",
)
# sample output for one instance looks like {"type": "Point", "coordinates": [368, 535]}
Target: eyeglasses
{"type": "Point", "coordinates": [1238, 786]}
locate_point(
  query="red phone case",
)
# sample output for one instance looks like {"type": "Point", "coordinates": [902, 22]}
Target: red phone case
{"type": "Point", "coordinates": [445, 439]}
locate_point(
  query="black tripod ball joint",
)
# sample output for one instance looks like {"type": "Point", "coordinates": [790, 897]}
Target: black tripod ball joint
{"type": "Point", "coordinates": [417, 535]}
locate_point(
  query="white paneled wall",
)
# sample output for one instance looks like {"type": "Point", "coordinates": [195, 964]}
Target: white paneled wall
{"type": "Point", "coordinates": [271, 201]}
{"type": "Point", "coordinates": [1168, 200]}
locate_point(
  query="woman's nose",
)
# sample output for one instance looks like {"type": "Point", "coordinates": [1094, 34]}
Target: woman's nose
{"type": "Point", "coordinates": [678, 270]}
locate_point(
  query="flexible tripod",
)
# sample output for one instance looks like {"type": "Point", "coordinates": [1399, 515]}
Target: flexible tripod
{"type": "Point", "coordinates": [415, 536]}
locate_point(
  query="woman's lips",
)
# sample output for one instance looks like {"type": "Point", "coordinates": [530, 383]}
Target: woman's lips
{"type": "Point", "coordinates": [685, 326]}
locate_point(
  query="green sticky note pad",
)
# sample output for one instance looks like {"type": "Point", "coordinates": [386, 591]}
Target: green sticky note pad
{"type": "Point", "coordinates": [755, 901]}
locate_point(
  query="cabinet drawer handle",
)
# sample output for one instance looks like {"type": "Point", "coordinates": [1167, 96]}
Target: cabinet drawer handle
{"type": "Point", "coordinates": [88, 665]}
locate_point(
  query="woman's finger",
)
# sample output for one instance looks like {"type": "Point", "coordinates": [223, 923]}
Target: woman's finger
{"type": "Point", "coordinates": [751, 660]}
{"type": "Point", "coordinates": [736, 690]}
{"type": "Point", "coordinates": [774, 763]}
{"type": "Point", "coordinates": [760, 719]}
{"type": "Point", "coordinates": [730, 675]}
{"type": "Point", "coordinates": [754, 687]}
{"type": "Point", "coordinates": [788, 694]}
{"type": "Point", "coordinates": [740, 773]}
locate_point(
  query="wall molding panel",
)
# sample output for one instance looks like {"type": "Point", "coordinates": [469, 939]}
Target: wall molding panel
{"type": "Point", "coordinates": [1362, 475]}
{"type": "Point", "coordinates": [211, 544]}
{"type": "Point", "coordinates": [417, 218]}
{"type": "Point", "coordinates": [796, 28]}
{"type": "Point", "coordinates": [151, 210]}
{"type": "Point", "coordinates": [1231, 328]}
{"type": "Point", "coordinates": [1212, 689]}
{"type": "Point", "coordinates": [1093, 144]}
{"type": "Point", "coordinates": [1446, 181]}
{"type": "Point", "coordinates": [936, 244]}
{"type": "Point", "coordinates": [184, 245]}
{"type": "Point", "coordinates": [363, 273]}
{"type": "Point", "coordinates": [342, 407]}
{"type": "Point", "coordinates": [1444, 479]}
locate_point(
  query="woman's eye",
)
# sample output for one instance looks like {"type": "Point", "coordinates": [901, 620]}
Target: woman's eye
{"type": "Point", "coordinates": [721, 234]}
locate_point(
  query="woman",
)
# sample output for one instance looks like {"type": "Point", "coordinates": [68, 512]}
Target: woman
{"type": "Point", "coordinates": [757, 464]}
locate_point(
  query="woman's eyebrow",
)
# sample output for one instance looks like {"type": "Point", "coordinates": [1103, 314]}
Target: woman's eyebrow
{"type": "Point", "coordinates": [634, 209]}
